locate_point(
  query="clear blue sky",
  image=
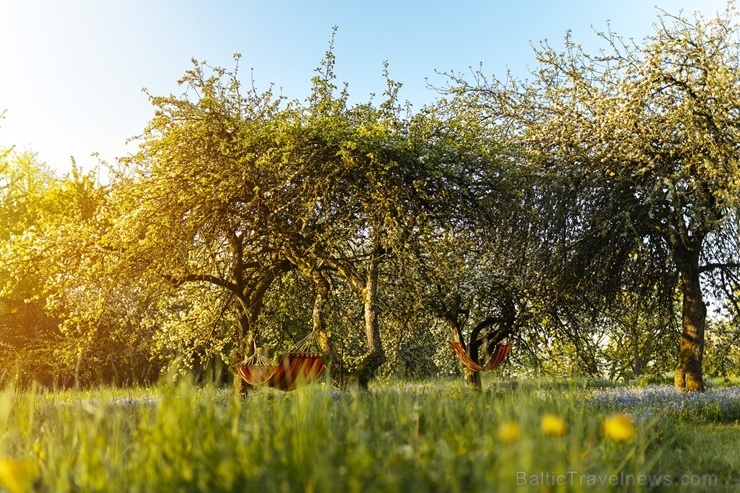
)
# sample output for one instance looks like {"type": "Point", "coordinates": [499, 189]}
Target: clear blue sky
{"type": "Point", "coordinates": [72, 70]}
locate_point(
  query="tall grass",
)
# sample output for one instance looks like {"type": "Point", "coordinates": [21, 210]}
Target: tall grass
{"type": "Point", "coordinates": [421, 437]}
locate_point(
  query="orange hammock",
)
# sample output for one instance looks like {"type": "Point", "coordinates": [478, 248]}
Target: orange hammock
{"type": "Point", "coordinates": [498, 357]}
{"type": "Point", "coordinates": [294, 369]}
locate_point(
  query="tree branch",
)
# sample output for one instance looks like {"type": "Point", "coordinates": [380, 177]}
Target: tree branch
{"type": "Point", "coordinates": [179, 281]}
{"type": "Point", "coordinates": [714, 265]}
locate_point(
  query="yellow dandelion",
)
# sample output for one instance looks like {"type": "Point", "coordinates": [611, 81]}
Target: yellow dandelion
{"type": "Point", "coordinates": [620, 428]}
{"type": "Point", "coordinates": [553, 425]}
{"type": "Point", "coordinates": [17, 476]}
{"type": "Point", "coordinates": [508, 432]}
{"type": "Point", "coordinates": [39, 451]}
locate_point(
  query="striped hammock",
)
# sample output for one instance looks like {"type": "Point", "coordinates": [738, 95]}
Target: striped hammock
{"type": "Point", "coordinates": [498, 357]}
{"type": "Point", "coordinates": [295, 368]}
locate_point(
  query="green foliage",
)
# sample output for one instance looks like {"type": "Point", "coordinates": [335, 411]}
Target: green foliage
{"type": "Point", "coordinates": [63, 320]}
{"type": "Point", "coordinates": [649, 380]}
{"type": "Point", "coordinates": [722, 356]}
{"type": "Point", "coordinates": [637, 165]}
{"type": "Point", "coordinates": [30, 206]}
{"type": "Point", "coordinates": [238, 189]}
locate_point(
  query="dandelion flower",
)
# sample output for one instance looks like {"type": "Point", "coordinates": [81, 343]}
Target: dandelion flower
{"type": "Point", "coordinates": [508, 432]}
{"type": "Point", "coordinates": [553, 425]}
{"type": "Point", "coordinates": [39, 451]}
{"type": "Point", "coordinates": [620, 428]}
{"type": "Point", "coordinates": [17, 476]}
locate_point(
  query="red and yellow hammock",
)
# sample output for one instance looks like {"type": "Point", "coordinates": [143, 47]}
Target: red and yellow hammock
{"type": "Point", "coordinates": [293, 370]}
{"type": "Point", "coordinates": [297, 367]}
{"type": "Point", "coordinates": [497, 358]}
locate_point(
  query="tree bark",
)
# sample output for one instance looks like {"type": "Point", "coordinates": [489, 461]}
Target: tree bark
{"type": "Point", "coordinates": [245, 335]}
{"type": "Point", "coordinates": [452, 315]}
{"type": "Point", "coordinates": [688, 374]}
{"type": "Point", "coordinates": [375, 357]}
{"type": "Point", "coordinates": [329, 354]}
{"type": "Point", "coordinates": [243, 348]}
{"type": "Point", "coordinates": [473, 378]}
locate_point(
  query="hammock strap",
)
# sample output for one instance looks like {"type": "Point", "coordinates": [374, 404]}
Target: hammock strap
{"type": "Point", "coordinates": [308, 344]}
{"type": "Point", "coordinates": [257, 359]}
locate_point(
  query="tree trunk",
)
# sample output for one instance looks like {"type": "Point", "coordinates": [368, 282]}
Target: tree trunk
{"type": "Point", "coordinates": [244, 336]}
{"type": "Point", "coordinates": [244, 345]}
{"type": "Point", "coordinates": [688, 374]}
{"type": "Point", "coordinates": [472, 377]}
{"type": "Point", "coordinates": [319, 327]}
{"type": "Point", "coordinates": [375, 357]}
{"type": "Point", "coordinates": [637, 363]}
{"type": "Point", "coordinates": [452, 314]}
{"type": "Point", "coordinates": [472, 380]}
{"type": "Point", "coordinates": [508, 319]}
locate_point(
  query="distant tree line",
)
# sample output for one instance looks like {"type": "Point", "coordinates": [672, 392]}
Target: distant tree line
{"type": "Point", "coordinates": [588, 215]}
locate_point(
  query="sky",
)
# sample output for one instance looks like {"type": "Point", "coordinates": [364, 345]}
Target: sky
{"type": "Point", "coordinates": [72, 71]}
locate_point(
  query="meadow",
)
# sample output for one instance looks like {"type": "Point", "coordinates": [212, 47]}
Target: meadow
{"type": "Point", "coordinates": [528, 435]}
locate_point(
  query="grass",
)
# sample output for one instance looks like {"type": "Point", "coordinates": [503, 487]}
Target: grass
{"type": "Point", "coordinates": [434, 436]}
